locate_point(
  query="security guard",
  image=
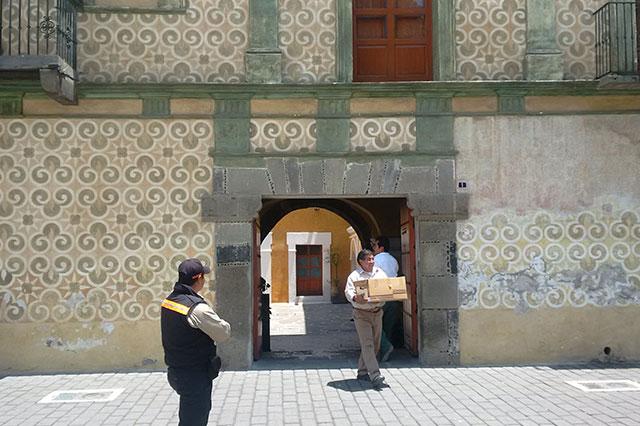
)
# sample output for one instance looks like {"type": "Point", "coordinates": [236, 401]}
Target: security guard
{"type": "Point", "coordinates": [190, 328]}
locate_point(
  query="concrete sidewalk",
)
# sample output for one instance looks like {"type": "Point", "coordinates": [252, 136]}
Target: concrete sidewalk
{"type": "Point", "coordinates": [325, 392]}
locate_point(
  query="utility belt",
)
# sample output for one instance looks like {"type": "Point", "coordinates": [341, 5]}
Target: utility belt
{"type": "Point", "coordinates": [214, 367]}
{"type": "Point", "coordinates": [211, 369]}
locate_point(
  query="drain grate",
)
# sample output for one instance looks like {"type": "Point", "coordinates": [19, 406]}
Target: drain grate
{"type": "Point", "coordinates": [84, 395]}
{"type": "Point", "coordinates": [605, 385]}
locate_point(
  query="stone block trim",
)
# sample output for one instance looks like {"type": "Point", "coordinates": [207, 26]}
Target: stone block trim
{"type": "Point", "coordinates": [290, 176]}
{"type": "Point", "coordinates": [237, 199]}
{"type": "Point", "coordinates": [233, 283]}
{"type": "Point", "coordinates": [440, 345]}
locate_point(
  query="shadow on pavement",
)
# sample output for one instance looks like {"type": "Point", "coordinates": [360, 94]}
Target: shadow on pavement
{"type": "Point", "coordinates": [353, 385]}
{"type": "Point", "coordinates": [302, 360]}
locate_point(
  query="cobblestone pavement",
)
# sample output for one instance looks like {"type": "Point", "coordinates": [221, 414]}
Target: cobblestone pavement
{"type": "Point", "coordinates": [313, 392]}
{"type": "Point", "coordinates": [309, 379]}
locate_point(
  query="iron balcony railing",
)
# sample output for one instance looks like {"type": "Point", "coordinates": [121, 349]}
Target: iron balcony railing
{"type": "Point", "coordinates": [39, 28]}
{"type": "Point", "coordinates": [617, 39]}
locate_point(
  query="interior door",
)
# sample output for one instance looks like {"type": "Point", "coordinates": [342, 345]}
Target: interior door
{"type": "Point", "coordinates": [309, 270]}
{"type": "Point", "coordinates": [409, 306]}
{"type": "Point", "coordinates": [257, 292]}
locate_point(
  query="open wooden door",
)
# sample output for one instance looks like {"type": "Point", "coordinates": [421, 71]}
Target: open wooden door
{"type": "Point", "coordinates": [409, 306]}
{"type": "Point", "coordinates": [257, 292]}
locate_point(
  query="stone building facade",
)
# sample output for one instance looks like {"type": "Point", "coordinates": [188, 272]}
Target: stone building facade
{"type": "Point", "coordinates": [197, 122]}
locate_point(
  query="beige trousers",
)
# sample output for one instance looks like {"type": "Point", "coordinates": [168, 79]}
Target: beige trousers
{"type": "Point", "coordinates": [369, 327]}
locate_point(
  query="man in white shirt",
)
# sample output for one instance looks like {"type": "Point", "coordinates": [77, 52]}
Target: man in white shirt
{"type": "Point", "coordinates": [389, 265]}
{"type": "Point", "coordinates": [367, 318]}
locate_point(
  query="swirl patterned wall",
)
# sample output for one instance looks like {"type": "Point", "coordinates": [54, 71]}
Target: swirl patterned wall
{"type": "Point", "coordinates": [205, 45]}
{"type": "Point", "coordinates": [96, 214]}
{"type": "Point", "coordinates": [282, 135]}
{"type": "Point", "coordinates": [576, 37]}
{"type": "Point", "coordinates": [307, 39]}
{"type": "Point", "coordinates": [546, 259]}
{"type": "Point", "coordinates": [208, 43]}
{"type": "Point", "coordinates": [490, 39]}
{"type": "Point", "coordinates": [383, 134]}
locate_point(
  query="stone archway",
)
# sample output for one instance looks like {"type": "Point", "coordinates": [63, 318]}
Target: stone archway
{"type": "Point", "coordinates": [237, 198]}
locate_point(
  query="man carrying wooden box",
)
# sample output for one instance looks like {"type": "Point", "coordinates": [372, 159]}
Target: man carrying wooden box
{"type": "Point", "coordinates": [367, 293]}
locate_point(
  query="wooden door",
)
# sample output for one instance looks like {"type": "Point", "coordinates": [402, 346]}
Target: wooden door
{"type": "Point", "coordinates": [309, 270]}
{"type": "Point", "coordinates": [409, 306]}
{"type": "Point", "coordinates": [257, 292]}
{"type": "Point", "coordinates": [392, 40]}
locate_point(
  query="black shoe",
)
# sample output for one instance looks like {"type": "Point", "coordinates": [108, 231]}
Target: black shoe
{"type": "Point", "coordinates": [378, 382]}
{"type": "Point", "coordinates": [363, 377]}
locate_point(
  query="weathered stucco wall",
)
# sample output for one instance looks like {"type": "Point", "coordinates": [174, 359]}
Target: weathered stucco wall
{"type": "Point", "coordinates": [95, 215]}
{"type": "Point", "coordinates": [553, 237]}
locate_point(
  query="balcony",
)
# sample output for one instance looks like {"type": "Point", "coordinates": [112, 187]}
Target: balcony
{"type": "Point", "coordinates": [616, 27]}
{"type": "Point", "coordinates": [38, 41]}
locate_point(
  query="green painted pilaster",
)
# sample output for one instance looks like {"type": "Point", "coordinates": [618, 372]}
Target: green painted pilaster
{"type": "Point", "coordinates": [10, 105]}
{"type": "Point", "coordinates": [543, 60]}
{"type": "Point", "coordinates": [332, 124]}
{"type": "Point", "coordinates": [434, 124]}
{"type": "Point", "coordinates": [511, 103]}
{"type": "Point", "coordinates": [155, 106]}
{"type": "Point", "coordinates": [263, 59]}
{"type": "Point", "coordinates": [344, 42]}
{"type": "Point", "coordinates": [231, 125]}
{"type": "Point", "coordinates": [444, 55]}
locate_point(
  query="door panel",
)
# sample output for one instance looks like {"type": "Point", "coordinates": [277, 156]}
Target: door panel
{"type": "Point", "coordinates": [409, 306]}
{"type": "Point", "coordinates": [392, 40]}
{"type": "Point", "coordinates": [372, 62]}
{"type": "Point", "coordinates": [257, 293]}
{"type": "Point", "coordinates": [410, 61]}
{"type": "Point", "coordinates": [308, 270]}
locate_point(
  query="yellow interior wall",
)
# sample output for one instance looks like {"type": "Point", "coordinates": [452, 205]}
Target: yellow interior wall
{"type": "Point", "coordinates": [309, 220]}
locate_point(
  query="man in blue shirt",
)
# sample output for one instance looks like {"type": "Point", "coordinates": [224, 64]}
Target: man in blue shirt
{"type": "Point", "coordinates": [389, 265]}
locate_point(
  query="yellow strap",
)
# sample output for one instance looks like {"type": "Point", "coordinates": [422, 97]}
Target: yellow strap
{"type": "Point", "coordinates": [176, 307]}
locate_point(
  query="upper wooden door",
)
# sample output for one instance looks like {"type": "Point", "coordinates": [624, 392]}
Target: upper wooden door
{"type": "Point", "coordinates": [392, 40]}
{"type": "Point", "coordinates": [308, 270]}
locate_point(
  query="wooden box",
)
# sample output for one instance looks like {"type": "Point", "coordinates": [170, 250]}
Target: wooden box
{"type": "Point", "coordinates": [382, 289]}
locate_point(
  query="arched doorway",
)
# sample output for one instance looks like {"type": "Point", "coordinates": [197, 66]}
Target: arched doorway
{"type": "Point", "coordinates": [249, 197]}
{"type": "Point", "coordinates": [304, 231]}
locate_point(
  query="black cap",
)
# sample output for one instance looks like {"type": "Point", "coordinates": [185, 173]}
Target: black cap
{"type": "Point", "coordinates": [190, 269]}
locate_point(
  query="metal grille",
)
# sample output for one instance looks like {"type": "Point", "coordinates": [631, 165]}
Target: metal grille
{"type": "Point", "coordinates": [605, 385]}
{"type": "Point", "coordinates": [39, 28]}
{"type": "Point", "coordinates": [616, 39]}
{"type": "Point", "coordinates": [84, 395]}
